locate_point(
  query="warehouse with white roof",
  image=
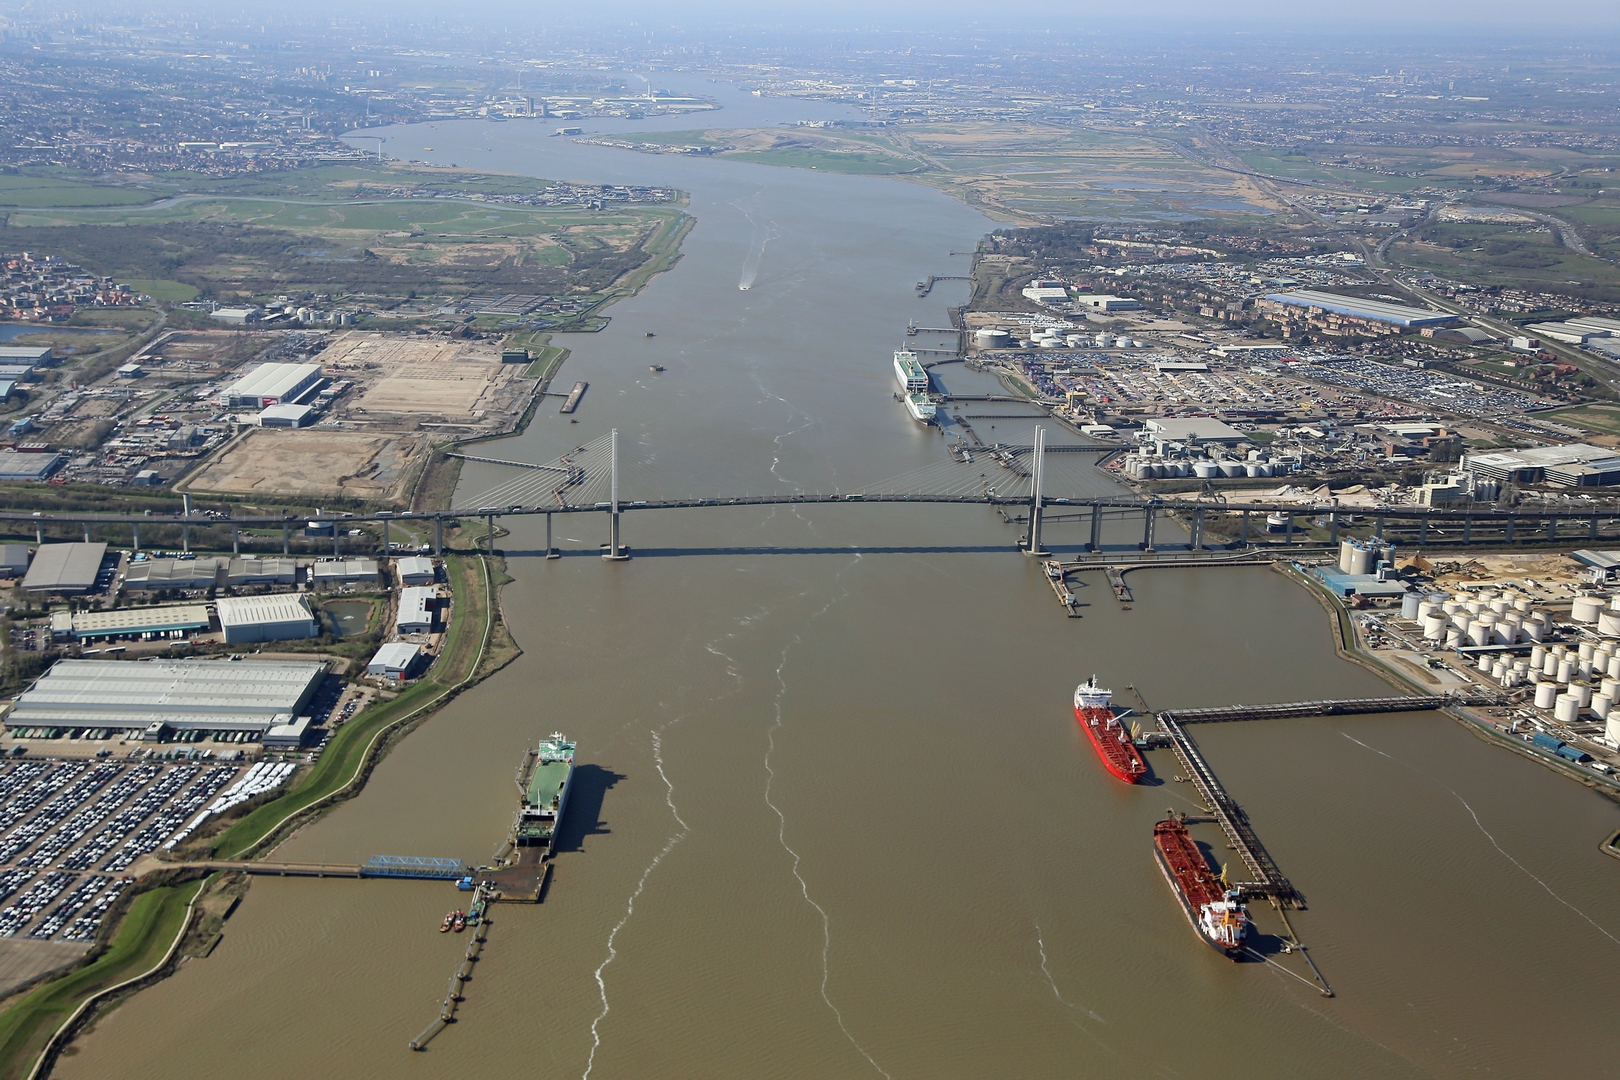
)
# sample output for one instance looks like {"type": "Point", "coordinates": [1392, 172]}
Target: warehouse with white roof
{"type": "Point", "coordinates": [416, 610]}
{"type": "Point", "coordinates": [64, 568]}
{"type": "Point", "coordinates": [149, 695]}
{"type": "Point", "coordinates": [272, 384]}
{"type": "Point", "coordinates": [277, 617]}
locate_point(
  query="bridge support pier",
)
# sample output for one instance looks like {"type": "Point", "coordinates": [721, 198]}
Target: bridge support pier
{"type": "Point", "coordinates": [1552, 528]}
{"type": "Point", "coordinates": [236, 539]}
{"type": "Point", "coordinates": [1378, 531]}
{"type": "Point", "coordinates": [1243, 534]}
{"type": "Point", "coordinates": [185, 536]}
{"type": "Point", "coordinates": [1096, 529]}
{"type": "Point", "coordinates": [1148, 520]}
{"type": "Point", "coordinates": [1288, 536]}
{"type": "Point", "coordinates": [386, 547]}
{"type": "Point", "coordinates": [39, 532]}
{"type": "Point", "coordinates": [135, 529]}
{"type": "Point", "coordinates": [87, 532]}
{"type": "Point", "coordinates": [1198, 529]}
{"type": "Point", "coordinates": [1510, 529]}
{"type": "Point", "coordinates": [551, 551]}
{"type": "Point", "coordinates": [438, 534]}
{"type": "Point", "coordinates": [286, 540]}
{"type": "Point", "coordinates": [337, 540]}
{"type": "Point", "coordinates": [489, 522]}
{"type": "Point", "coordinates": [1594, 535]}
{"type": "Point", "coordinates": [1468, 530]}
{"type": "Point", "coordinates": [1333, 529]}
{"type": "Point", "coordinates": [1423, 528]}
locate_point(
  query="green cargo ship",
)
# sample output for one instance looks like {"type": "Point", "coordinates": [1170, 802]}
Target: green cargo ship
{"type": "Point", "coordinates": [543, 781]}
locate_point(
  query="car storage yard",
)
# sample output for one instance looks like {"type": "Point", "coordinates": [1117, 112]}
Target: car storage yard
{"type": "Point", "coordinates": [70, 830]}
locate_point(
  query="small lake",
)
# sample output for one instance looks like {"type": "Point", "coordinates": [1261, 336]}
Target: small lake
{"type": "Point", "coordinates": [346, 617]}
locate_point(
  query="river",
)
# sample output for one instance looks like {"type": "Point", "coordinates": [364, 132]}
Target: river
{"type": "Point", "coordinates": [834, 816]}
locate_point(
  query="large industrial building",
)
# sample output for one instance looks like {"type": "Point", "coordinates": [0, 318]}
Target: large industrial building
{"type": "Point", "coordinates": [415, 570]}
{"type": "Point", "coordinates": [13, 560]}
{"type": "Point", "coordinates": [161, 620]}
{"type": "Point", "coordinates": [64, 569]}
{"type": "Point", "coordinates": [29, 466]}
{"type": "Point", "coordinates": [1354, 307]}
{"type": "Point", "coordinates": [155, 575]}
{"type": "Point", "coordinates": [272, 384]}
{"type": "Point", "coordinates": [1575, 465]}
{"type": "Point", "coordinates": [150, 696]}
{"type": "Point", "coordinates": [395, 660]}
{"type": "Point", "coordinates": [330, 573]}
{"type": "Point", "coordinates": [278, 617]}
{"type": "Point", "coordinates": [416, 610]}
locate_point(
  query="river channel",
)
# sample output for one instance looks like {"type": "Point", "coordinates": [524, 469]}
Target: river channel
{"type": "Point", "coordinates": [834, 816]}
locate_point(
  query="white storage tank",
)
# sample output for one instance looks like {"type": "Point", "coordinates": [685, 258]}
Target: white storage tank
{"type": "Point", "coordinates": [1533, 630]}
{"type": "Point", "coordinates": [1361, 560]}
{"type": "Point", "coordinates": [1538, 656]}
{"type": "Point", "coordinates": [1521, 604]}
{"type": "Point", "coordinates": [1478, 633]}
{"type": "Point", "coordinates": [1608, 623]}
{"type": "Point", "coordinates": [1545, 693]}
{"type": "Point", "coordinates": [1232, 468]}
{"type": "Point", "coordinates": [1484, 662]}
{"type": "Point", "coordinates": [1549, 666]}
{"type": "Point", "coordinates": [1583, 694]}
{"type": "Point", "coordinates": [1504, 633]}
{"type": "Point", "coordinates": [1409, 605]}
{"type": "Point", "coordinates": [1585, 609]}
{"type": "Point", "coordinates": [1454, 638]}
{"type": "Point", "coordinates": [1566, 709]}
{"type": "Point", "coordinates": [1252, 468]}
{"type": "Point", "coordinates": [1601, 703]}
{"type": "Point", "coordinates": [1499, 669]}
{"type": "Point", "coordinates": [1612, 728]}
{"type": "Point", "coordinates": [1347, 551]}
{"type": "Point", "coordinates": [1451, 607]}
{"type": "Point", "coordinates": [1268, 469]}
{"type": "Point", "coordinates": [1566, 671]}
{"type": "Point", "coordinates": [1434, 628]}
{"type": "Point", "coordinates": [1610, 688]}
{"type": "Point", "coordinates": [1425, 608]}
{"type": "Point", "coordinates": [1501, 606]}
{"type": "Point", "coordinates": [1586, 649]}
{"type": "Point", "coordinates": [1206, 470]}
{"type": "Point", "coordinates": [1614, 668]}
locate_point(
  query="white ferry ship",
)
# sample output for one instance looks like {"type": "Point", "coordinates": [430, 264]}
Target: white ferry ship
{"type": "Point", "coordinates": [921, 409]}
{"type": "Point", "coordinates": [911, 375]}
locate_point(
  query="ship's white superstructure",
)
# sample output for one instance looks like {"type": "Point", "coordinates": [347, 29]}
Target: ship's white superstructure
{"type": "Point", "coordinates": [921, 409]}
{"type": "Point", "coordinates": [911, 375]}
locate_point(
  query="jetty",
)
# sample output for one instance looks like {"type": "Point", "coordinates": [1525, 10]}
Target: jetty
{"type": "Point", "coordinates": [574, 395]}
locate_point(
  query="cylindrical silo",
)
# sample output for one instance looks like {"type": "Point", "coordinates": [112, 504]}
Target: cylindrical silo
{"type": "Point", "coordinates": [1425, 608]}
{"type": "Point", "coordinates": [1566, 671]}
{"type": "Point", "coordinates": [1499, 669]}
{"type": "Point", "coordinates": [1479, 633]}
{"type": "Point", "coordinates": [1409, 605]}
{"type": "Point", "coordinates": [1347, 548]}
{"type": "Point", "coordinates": [1204, 470]}
{"type": "Point", "coordinates": [1583, 694]}
{"type": "Point", "coordinates": [1549, 666]}
{"type": "Point", "coordinates": [1454, 638]}
{"type": "Point", "coordinates": [1546, 692]}
{"type": "Point", "coordinates": [1484, 662]}
{"type": "Point", "coordinates": [1586, 649]}
{"type": "Point", "coordinates": [1361, 560]}
{"type": "Point", "coordinates": [1434, 628]}
{"type": "Point", "coordinates": [1585, 609]}
{"type": "Point", "coordinates": [1521, 603]}
{"type": "Point", "coordinates": [1601, 703]}
{"type": "Point", "coordinates": [1450, 607]}
{"type": "Point", "coordinates": [1610, 688]}
{"type": "Point", "coordinates": [1232, 468]}
{"type": "Point", "coordinates": [1504, 633]}
{"type": "Point", "coordinates": [1538, 656]}
{"type": "Point", "coordinates": [1566, 709]}
{"type": "Point", "coordinates": [1614, 668]}
{"type": "Point", "coordinates": [1501, 606]}
{"type": "Point", "coordinates": [1533, 630]}
{"type": "Point", "coordinates": [1608, 623]}
{"type": "Point", "coordinates": [1612, 728]}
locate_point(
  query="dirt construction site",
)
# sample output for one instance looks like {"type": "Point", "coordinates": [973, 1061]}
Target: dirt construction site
{"type": "Point", "coordinates": [397, 395]}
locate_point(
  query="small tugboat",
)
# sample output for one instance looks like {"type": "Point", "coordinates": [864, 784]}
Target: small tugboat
{"type": "Point", "coordinates": [649, 334]}
{"type": "Point", "coordinates": [460, 922]}
{"type": "Point", "coordinates": [449, 921]}
{"type": "Point", "coordinates": [655, 367]}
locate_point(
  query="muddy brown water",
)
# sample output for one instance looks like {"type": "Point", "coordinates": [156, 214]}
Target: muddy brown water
{"type": "Point", "coordinates": [833, 816]}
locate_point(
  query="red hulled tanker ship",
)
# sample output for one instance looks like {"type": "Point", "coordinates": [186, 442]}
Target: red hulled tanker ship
{"type": "Point", "coordinates": [1216, 912]}
{"type": "Point", "coordinates": [1114, 745]}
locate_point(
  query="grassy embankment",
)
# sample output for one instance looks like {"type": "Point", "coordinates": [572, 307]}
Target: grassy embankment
{"type": "Point", "coordinates": [144, 938]}
{"type": "Point", "coordinates": [475, 645]}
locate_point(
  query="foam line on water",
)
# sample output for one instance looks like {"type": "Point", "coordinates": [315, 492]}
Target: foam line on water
{"type": "Point", "coordinates": [1481, 827]}
{"type": "Point", "coordinates": [630, 905]}
{"type": "Point", "coordinates": [781, 838]}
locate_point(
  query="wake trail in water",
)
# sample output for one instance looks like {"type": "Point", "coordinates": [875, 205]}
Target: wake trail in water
{"type": "Point", "coordinates": [1481, 827]}
{"type": "Point", "coordinates": [763, 234]}
{"type": "Point", "coordinates": [781, 838]}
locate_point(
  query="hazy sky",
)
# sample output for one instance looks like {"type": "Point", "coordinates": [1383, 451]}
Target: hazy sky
{"type": "Point", "coordinates": [1354, 18]}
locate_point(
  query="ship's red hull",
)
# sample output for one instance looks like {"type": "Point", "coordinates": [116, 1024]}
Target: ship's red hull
{"type": "Point", "coordinates": [1189, 877]}
{"type": "Point", "coordinates": [1119, 755]}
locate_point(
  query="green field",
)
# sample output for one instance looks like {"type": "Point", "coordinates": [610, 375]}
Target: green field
{"type": "Point", "coordinates": [154, 920]}
{"type": "Point", "coordinates": [1604, 419]}
{"type": "Point", "coordinates": [829, 161]}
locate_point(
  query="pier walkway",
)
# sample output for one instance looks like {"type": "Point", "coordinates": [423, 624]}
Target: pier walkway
{"type": "Point", "coordinates": [1268, 879]}
{"type": "Point", "coordinates": [1330, 707]}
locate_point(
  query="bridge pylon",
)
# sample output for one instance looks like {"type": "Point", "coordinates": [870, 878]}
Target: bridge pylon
{"type": "Point", "coordinates": [1032, 540]}
{"type": "Point", "coordinates": [614, 551]}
